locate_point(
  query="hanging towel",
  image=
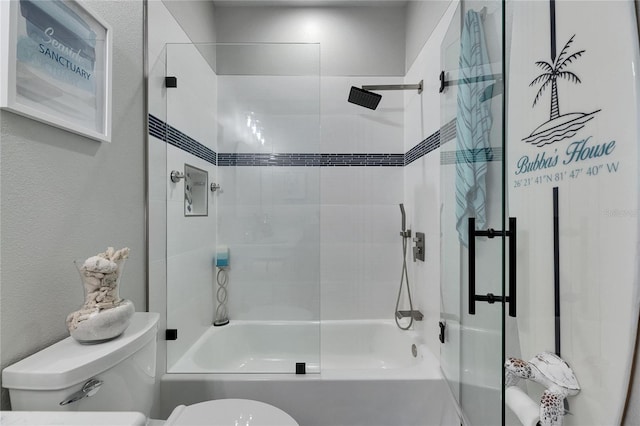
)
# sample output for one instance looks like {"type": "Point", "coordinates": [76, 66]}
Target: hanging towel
{"type": "Point", "coordinates": [473, 124]}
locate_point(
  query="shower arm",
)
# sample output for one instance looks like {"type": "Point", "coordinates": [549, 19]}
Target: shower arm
{"type": "Point", "coordinates": [417, 87]}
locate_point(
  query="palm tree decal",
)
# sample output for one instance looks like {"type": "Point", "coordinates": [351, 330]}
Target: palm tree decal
{"type": "Point", "coordinates": [553, 72]}
{"type": "Point", "coordinates": [565, 126]}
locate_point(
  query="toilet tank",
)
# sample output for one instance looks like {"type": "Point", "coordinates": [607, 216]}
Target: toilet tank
{"type": "Point", "coordinates": [125, 366]}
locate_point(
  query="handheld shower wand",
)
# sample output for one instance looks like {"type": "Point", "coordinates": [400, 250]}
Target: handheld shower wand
{"type": "Point", "coordinates": [404, 277]}
{"type": "Point", "coordinates": [404, 233]}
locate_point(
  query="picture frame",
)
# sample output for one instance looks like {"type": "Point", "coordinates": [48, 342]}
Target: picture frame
{"type": "Point", "coordinates": [55, 65]}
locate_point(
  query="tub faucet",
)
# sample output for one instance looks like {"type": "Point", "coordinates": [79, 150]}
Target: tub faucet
{"type": "Point", "coordinates": [416, 315]}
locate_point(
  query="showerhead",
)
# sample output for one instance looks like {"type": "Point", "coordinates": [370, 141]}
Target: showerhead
{"type": "Point", "coordinates": [404, 221]}
{"type": "Point", "coordinates": [364, 98]}
{"type": "Point", "coordinates": [367, 99]}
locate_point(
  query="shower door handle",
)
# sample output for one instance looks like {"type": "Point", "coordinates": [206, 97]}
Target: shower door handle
{"type": "Point", "coordinates": [490, 297]}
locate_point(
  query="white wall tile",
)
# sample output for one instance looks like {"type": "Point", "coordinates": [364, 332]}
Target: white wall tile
{"type": "Point", "coordinates": [157, 234]}
{"type": "Point", "coordinates": [422, 181]}
{"type": "Point", "coordinates": [382, 224]}
{"type": "Point", "coordinates": [383, 262]}
{"type": "Point", "coordinates": [164, 30]}
{"type": "Point", "coordinates": [383, 185]}
{"type": "Point", "coordinates": [185, 290]}
{"type": "Point", "coordinates": [342, 185]}
{"type": "Point", "coordinates": [190, 307]}
{"type": "Point", "coordinates": [342, 224]}
{"type": "Point", "coordinates": [361, 248]}
{"type": "Point", "coordinates": [344, 298]}
{"type": "Point", "coordinates": [191, 106]}
{"type": "Point", "coordinates": [286, 109]}
{"type": "Point", "coordinates": [157, 169]}
{"type": "Point", "coordinates": [349, 128]}
{"type": "Point", "coordinates": [358, 220]}
{"type": "Point", "coordinates": [269, 217]}
{"type": "Point", "coordinates": [341, 262]}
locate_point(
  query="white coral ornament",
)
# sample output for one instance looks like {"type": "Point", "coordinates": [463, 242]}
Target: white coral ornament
{"type": "Point", "coordinates": [104, 315]}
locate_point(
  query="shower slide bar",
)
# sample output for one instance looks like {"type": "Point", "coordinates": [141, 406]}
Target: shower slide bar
{"type": "Point", "coordinates": [490, 297]}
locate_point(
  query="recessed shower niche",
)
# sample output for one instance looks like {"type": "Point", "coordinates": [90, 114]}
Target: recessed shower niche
{"type": "Point", "coordinates": [195, 191]}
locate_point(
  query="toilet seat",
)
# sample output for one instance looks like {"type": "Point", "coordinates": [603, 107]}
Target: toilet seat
{"type": "Point", "coordinates": [225, 412]}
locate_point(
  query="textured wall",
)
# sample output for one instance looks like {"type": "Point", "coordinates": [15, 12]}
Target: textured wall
{"type": "Point", "coordinates": [65, 197]}
{"type": "Point", "coordinates": [422, 192]}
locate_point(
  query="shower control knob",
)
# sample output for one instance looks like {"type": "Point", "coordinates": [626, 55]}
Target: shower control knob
{"type": "Point", "coordinates": [419, 249]}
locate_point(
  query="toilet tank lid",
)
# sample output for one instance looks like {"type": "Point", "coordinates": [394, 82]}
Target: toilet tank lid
{"type": "Point", "coordinates": [68, 362]}
{"type": "Point", "coordinates": [72, 418]}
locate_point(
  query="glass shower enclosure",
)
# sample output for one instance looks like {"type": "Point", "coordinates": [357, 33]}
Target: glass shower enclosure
{"type": "Point", "coordinates": [244, 120]}
{"type": "Point", "coordinates": [474, 293]}
{"type": "Point", "coordinates": [558, 286]}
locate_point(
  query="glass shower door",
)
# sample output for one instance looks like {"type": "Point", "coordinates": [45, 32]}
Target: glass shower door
{"type": "Point", "coordinates": [242, 179]}
{"type": "Point", "coordinates": [473, 266]}
{"type": "Point", "coordinates": [191, 207]}
{"type": "Point", "coordinates": [269, 209]}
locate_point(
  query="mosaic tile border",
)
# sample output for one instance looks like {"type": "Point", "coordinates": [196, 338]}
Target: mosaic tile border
{"type": "Point", "coordinates": [173, 136]}
{"type": "Point", "coordinates": [423, 148]}
{"type": "Point", "coordinates": [311, 160]}
{"type": "Point", "coordinates": [431, 143]}
{"type": "Point", "coordinates": [483, 155]}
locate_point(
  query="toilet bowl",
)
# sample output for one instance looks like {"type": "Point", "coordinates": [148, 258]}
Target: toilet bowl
{"type": "Point", "coordinates": [219, 412]}
{"type": "Point", "coordinates": [113, 381]}
{"type": "Point", "coordinates": [225, 412]}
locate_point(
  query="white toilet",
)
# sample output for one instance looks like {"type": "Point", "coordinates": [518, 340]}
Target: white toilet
{"type": "Point", "coordinates": [111, 383]}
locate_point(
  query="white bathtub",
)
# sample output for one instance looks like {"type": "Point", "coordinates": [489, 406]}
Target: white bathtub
{"type": "Point", "coordinates": [276, 347]}
{"type": "Point", "coordinates": [366, 373]}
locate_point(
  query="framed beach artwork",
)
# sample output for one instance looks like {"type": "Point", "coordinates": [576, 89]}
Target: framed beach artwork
{"type": "Point", "coordinates": [55, 65]}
